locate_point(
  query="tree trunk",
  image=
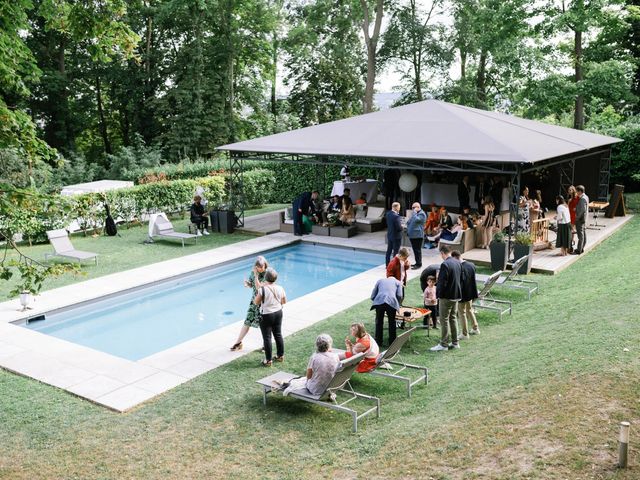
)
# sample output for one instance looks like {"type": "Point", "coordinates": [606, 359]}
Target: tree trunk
{"type": "Point", "coordinates": [103, 123]}
{"type": "Point", "coordinates": [274, 78]}
{"type": "Point", "coordinates": [371, 41]}
{"type": "Point", "coordinates": [481, 87]}
{"type": "Point", "coordinates": [463, 64]}
{"type": "Point", "coordinates": [578, 117]}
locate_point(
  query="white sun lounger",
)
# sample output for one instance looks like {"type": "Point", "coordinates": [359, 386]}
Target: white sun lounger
{"type": "Point", "coordinates": [338, 384]}
{"type": "Point", "coordinates": [62, 247]}
{"type": "Point", "coordinates": [513, 280]}
{"type": "Point", "coordinates": [163, 228]}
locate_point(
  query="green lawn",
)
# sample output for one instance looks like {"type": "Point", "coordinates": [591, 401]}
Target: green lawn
{"type": "Point", "coordinates": [536, 396]}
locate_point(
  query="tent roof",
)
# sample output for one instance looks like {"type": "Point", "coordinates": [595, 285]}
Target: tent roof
{"type": "Point", "coordinates": [431, 130]}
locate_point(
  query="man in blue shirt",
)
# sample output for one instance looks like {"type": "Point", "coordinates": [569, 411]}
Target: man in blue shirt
{"type": "Point", "coordinates": [415, 232]}
{"type": "Point", "coordinates": [386, 298]}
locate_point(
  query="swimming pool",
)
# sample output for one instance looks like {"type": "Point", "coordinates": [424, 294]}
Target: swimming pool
{"type": "Point", "coordinates": [139, 323]}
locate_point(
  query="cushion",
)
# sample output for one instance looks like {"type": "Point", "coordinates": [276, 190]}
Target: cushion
{"type": "Point", "coordinates": [288, 214]}
{"type": "Point", "coordinates": [368, 221]}
{"type": "Point", "coordinates": [290, 222]}
{"type": "Point", "coordinates": [360, 213]}
{"type": "Point", "coordinates": [375, 213]}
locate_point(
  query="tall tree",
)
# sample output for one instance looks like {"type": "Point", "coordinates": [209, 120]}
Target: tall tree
{"type": "Point", "coordinates": [577, 17]}
{"type": "Point", "coordinates": [371, 37]}
{"type": "Point", "coordinates": [324, 62]}
{"type": "Point", "coordinates": [414, 43]}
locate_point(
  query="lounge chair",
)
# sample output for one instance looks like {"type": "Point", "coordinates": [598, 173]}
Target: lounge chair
{"type": "Point", "coordinates": [62, 247]}
{"type": "Point", "coordinates": [485, 300]}
{"type": "Point", "coordinates": [392, 356]}
{"type": "Point", "coordinates": [373, 221]}
{"type": "Point", "coordinates": [512, 280]}
{"type": "Point", "coordinates": [338, 384]}
{"type": "Point", "coordinates": [161, 227]}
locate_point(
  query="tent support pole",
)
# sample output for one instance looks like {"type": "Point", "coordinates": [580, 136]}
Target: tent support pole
{"type": "Point", "coordinates": [516, 181]}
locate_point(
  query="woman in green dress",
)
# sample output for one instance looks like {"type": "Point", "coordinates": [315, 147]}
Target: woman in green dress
{"type": "Point", "coordinates": [256, 278]}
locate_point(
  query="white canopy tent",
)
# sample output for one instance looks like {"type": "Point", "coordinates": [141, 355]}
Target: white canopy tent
{"type": "Point", "coordinates": [437, 136]}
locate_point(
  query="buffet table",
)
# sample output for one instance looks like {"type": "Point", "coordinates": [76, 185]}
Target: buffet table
{"type": "Point", "coordinates": [369, 186]}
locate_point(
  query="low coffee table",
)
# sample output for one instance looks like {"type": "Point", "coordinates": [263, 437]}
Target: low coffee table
{"type": "Point", "coordinates": [344, 232]}
{"type": "Point", "coordinates": [321, 230]}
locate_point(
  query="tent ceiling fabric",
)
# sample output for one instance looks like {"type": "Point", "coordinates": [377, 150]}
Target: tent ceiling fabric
{"type": "Point", "coordinates": [431, 130]}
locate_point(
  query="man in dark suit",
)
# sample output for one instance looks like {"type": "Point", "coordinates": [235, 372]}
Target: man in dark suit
{"type": "Point", "coordinates": [581, 219]}
{"type": "Point", "coordinates": [469, 291]}
{"type": "Point", "coordinates": [394, 232]}
{"type": "Point", "coordinates": [464, 193]}
{"type": "Point", "coordinates": [302, 205]}
{"type": "Point", "coordinates": [449, 292]}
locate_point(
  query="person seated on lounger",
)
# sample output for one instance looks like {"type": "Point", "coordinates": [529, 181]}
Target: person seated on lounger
{"type": "Point", "coordinates": [198, 216]}
{"type": "Point", "coordinates": [432, 225]}
{"type": "Point", "coordinates": [364, 344]}
{"type": "Point", "coordinates": [332, 209]}
{"type": "Point", "coordinates": [362, 200]}
{"type": "Point", "coordinates": [347, 212]}
{"type": "Point", "coordinates": [320, 369]}
{"type": "Point", "coordinates": [449, 233]}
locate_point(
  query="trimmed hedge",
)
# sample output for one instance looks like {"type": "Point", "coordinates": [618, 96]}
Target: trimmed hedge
{"type": "Point", "coordinates": [287, 182]}
{"type": "Point", "coordinates": [35, 218]}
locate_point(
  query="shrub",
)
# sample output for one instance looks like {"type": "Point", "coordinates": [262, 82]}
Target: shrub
{"type": "Point", "coordinates": [258, 187]}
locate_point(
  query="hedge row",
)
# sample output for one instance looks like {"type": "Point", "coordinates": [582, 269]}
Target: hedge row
{"type": "Point", "coordinates": [288, 179]}
{"type": "Point", "coordinates": [36, 217]}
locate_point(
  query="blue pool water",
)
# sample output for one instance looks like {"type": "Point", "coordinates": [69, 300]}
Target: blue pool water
{"type": "Point", "coordinates": [140, 323]}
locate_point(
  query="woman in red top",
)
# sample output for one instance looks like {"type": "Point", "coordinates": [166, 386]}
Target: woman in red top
{"type": "Point", "coordinates": [572, 202]}
{"type": "Point", "coordinates": [364, 344]}
{"type": "Point", "coordinates": [399, 266]}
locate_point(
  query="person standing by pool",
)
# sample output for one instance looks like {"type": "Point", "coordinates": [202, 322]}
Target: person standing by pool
{"type": "Point", "coordinates": [394, 232]}
{"type": "Point", "coordinates": [415, 232]}
{"type": "Point", "coordinates": [386, 298]}
{"type": "Point", "coordinates": [256, 278]}
{"type": "Point", "coordinates": [271, 298]}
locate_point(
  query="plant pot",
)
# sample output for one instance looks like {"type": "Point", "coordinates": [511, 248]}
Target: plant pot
{"type": "Point", "coordinates": [499, 255]}
{"type": "Point", "coordinates": [214, 215]}
{"type": "Point", "coordinates": [25, 300]}
{"type": "Point", "coordinates": [520, 251]}
{"type": "Point", "coordinates": [227, 221]}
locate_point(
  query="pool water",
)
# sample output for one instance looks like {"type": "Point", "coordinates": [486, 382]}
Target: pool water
{"type": "Point", "coordinates": [139, 323]}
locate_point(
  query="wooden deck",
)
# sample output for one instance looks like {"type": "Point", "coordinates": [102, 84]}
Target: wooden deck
{"type": "Point", "coordinates": [548, 261]}
{"type": "Point", "coordinates": [544, 261]}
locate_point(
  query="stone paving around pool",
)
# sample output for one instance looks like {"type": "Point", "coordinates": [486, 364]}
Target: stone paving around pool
{"type": "Point", "coordinates": [122, 384]}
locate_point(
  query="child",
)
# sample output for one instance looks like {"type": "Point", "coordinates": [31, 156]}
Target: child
{"type": "Point", "coordinates": [431, 301]}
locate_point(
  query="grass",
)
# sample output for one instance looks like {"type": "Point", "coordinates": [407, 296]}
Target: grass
{"type": "Point", "coordinates": [536, 396]}
{"type": "Point", "coordinates": [131, 240]}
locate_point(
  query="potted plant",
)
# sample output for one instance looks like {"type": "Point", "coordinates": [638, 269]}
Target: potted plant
{"type": "Point", "coordinates": [499, 250]}
{"type": "Point", "coordinates": [523, 247]}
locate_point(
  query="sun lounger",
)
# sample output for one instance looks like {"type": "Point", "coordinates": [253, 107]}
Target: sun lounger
{"type": "Point", "coordinates": [512, 280]}
{"type": "Point", "coordinates": [485, 300]}
{"type": "Point", "coordinates": [163, 228]}
{"type": "Point", "coordinates": [62, 247]}
{"type": "Point", "coordinates": [392, 356]}
{"type": "Point", "coordinates": [338, 384]}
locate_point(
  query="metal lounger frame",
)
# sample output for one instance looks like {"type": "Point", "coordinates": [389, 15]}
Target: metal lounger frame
{"type": "Point", "coordinates": [391, 354]}
{"type": "Point", "coordinates": [486, 301]}
{"type": "Point", "coordinates": [513, 280]}
{"type": "Point", "coordinates": [337, 385]}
